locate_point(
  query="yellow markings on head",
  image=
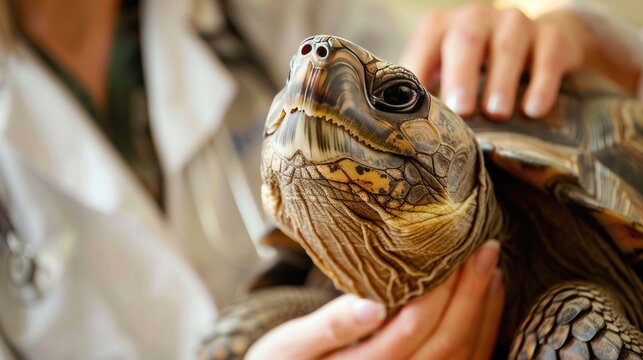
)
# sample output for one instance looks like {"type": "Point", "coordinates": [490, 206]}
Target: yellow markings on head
{"type": "Point", "coordinates": [332, 172]}
{"type": "Point", "coordinates": [393, 204]}
{"type": "Point", "coordinates": [400, 190]}
{"type": "Point", "coordinates": [372, 180]}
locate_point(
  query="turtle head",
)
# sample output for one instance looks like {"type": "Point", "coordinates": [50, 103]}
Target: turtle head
{"type": "Point", "coordinates": [375, 178]}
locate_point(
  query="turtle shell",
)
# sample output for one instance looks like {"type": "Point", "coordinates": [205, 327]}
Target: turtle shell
{"type": "Point", "coordinates": [587, 152]}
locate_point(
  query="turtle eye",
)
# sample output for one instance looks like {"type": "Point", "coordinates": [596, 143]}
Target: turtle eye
{"type": "Point", "coordinates": [400, 96]}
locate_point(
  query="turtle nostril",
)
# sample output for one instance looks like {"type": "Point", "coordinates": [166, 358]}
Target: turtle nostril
{"type": "Point", "coordinates": [322, 52]}
{"type": "Point", "coordinates": [306, 49]}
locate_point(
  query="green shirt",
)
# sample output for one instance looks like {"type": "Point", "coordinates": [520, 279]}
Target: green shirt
{"type": "Point", "coordinates": [125, 121]}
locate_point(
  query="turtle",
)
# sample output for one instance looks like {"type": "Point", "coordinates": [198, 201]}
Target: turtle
{"type": "Point", "coordinates": [388, 191]}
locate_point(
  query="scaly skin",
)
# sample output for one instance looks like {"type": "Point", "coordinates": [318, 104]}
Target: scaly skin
{"type": "Point", "coordinates": [388, 192]}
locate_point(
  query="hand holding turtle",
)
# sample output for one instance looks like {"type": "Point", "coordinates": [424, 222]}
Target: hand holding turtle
{"type": "Point", "coordinates": [455, 45]}
{"type": "Point", "coordinates": [457, 320]}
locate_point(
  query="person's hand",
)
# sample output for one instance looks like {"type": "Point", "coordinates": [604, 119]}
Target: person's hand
{"type": "Point", "coordinates": [457, 320]}
{"type": "Point", "coordinates": [454, 45]}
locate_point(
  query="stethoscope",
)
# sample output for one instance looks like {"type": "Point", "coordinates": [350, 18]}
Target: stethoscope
{"type": "Point", "coordinates": [21, 263]}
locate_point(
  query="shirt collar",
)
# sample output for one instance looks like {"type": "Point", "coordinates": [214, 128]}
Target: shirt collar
{"type": "Point", "coordinates": [188, 88]}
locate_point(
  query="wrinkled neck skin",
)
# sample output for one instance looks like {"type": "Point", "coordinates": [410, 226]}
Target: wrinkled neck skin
{"type": "Point", "coordinates": [452, 238]}
{"type": "Point", "coordinates": [364, 246]}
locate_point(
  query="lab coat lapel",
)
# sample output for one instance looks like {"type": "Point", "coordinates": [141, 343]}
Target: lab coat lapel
{"type": "Point", "coordinates": [59, 142]}
{"type": "Point", "coordinates": [188, 89]}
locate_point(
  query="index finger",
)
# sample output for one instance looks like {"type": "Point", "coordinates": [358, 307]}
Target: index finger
{"type": "Point", "coordinates": [335, 325]}
{"type": "Point", "coordinates": [422, 54]}
{"type": "Point", "coordinates": [463, 51]}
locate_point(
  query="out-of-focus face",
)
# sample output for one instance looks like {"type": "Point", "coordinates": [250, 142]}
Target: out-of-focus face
{"type": "Point", "coordinates": [376, 179]}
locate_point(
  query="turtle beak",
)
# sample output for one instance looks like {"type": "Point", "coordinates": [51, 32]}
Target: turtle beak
{"type": "Point", "coordinates": [328, 81]}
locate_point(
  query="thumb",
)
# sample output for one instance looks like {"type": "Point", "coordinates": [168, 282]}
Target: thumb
{"type": "Point", "coordinates": [335, 325]}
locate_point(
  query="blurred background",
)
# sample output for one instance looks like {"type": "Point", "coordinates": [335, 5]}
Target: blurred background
{"type": "Point", "coordinates": [631, 10]}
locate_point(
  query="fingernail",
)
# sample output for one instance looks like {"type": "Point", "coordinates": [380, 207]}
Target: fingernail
{"type": "Point", "coordinates": [497, 104]}
{"type": "Point", "coordinates": [367, 311]}
{"type": "Point", "coordinates": [455, 101]}
{"type": "Point", "coordinates": [532, 107]}
{"type": "Point", "coordinates": [487, 257]}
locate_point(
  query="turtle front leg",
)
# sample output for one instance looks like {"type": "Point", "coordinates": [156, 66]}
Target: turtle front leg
{"type": "Point", "coordinates": [244, 321]}
{"type": "Point", "coordinates": [576, 320]}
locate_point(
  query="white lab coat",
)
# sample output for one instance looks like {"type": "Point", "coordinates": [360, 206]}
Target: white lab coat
{"type": "Point", "coordinates": [115, 278]}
